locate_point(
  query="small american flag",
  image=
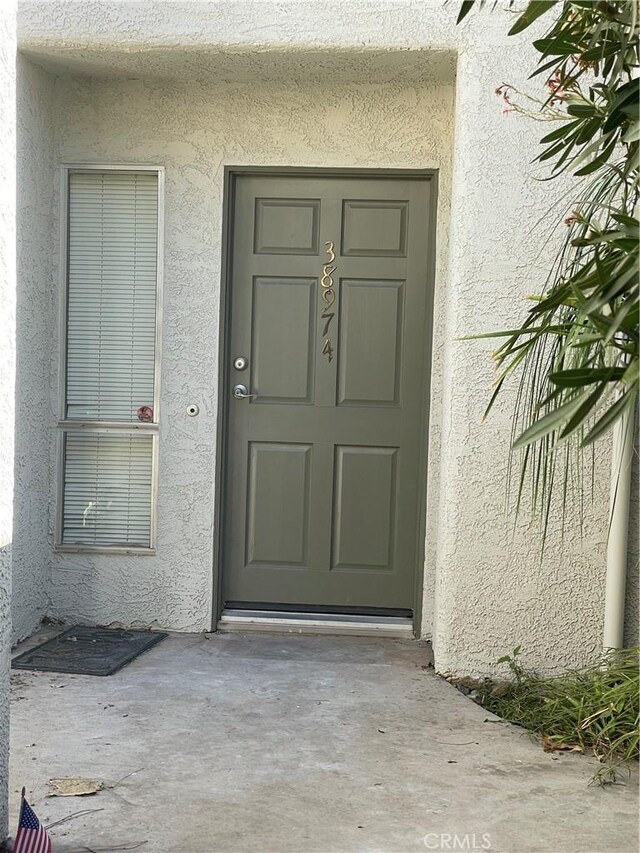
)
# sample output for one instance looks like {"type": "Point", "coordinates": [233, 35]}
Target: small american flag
{"type": "Point", "coordinates": [32, 837]}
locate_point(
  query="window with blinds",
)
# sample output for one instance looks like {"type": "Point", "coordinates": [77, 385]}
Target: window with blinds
{"type": "Point", "coordinates": [107, 489]}
{"type": "Point", "coordinates": [112, 284]}
{"type": "Point", "coordinates": [109, 425]}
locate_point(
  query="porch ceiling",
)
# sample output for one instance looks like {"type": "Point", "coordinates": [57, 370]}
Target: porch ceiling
{"type": "Point", "coordinates": [259, 64]}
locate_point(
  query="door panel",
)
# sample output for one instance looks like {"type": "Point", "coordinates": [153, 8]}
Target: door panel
{"type": "Point", "coordinates": [283, 339]}
{"type": "Point", "coordinates": [364, 507]}
{"type": "Point", "coordinates": [374, 228]}
{"type": "Point", "coordinates": [278, 506]}
{"type": "Point", "coordinates": [286, 226]}
{"type": "Point", "coordinates": [369, 351]}
{"type": "Point", "coordinates": [329, 304]}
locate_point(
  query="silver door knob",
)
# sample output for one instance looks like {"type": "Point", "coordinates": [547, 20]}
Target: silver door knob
{"type": "Point", "coordinates": [241, 392]}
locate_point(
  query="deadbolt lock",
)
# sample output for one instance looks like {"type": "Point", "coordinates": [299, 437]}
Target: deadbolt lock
{"type": "Point", "coordinates": [241, 363]}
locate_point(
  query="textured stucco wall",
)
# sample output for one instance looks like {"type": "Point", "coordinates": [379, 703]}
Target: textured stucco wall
{"type": "Point", "coordinates": [492, 589]}
{"type": "Point", "coordinates": [632, 614]}
{"type": "Point", "coordinates": [7, 370]}
{"type": "Point", "coordinates": [486, 589]}
{"type": "Point", "coordinates": [36, 313]}
{"type": "Point", "coordinates": [194, 130]}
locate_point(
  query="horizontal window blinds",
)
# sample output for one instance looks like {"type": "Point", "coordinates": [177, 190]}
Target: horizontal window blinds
{"type": "Point", "coordinates": [108, 471]}
{"type": "Point", "coordinates": [107, 490]}
{"type": "Point", "coordinates": [111, 300]}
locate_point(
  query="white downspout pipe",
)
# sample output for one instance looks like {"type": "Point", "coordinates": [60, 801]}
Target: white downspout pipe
{"type": "Point", "coordinates": [617, 543]}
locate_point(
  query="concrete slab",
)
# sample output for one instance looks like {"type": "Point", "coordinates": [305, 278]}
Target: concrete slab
{"type": "Point", "coordinates": [298, 744]}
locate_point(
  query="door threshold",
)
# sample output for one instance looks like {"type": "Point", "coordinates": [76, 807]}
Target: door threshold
{"type": "Point", "coordinates": [282, 621]}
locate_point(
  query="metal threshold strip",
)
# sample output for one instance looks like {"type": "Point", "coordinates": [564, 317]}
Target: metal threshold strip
{"type": "Point", "coordinates": [280, 621]}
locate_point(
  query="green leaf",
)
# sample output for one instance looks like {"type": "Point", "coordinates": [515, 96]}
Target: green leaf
{"type": "Point", "coordinates": [580, 376]}
{"type": "Point", "coordinates": [559, 132]}
{"type": "Point", "coordinates": [551, 151]}
{"type": "Point", "coordinates": [624, 105]}
{"type": "Point", "coordinates": [632, 372]}
{"type": "Point", "coordinates": [632, 133]}
{"type": "Point", "coordinates": [544, 66]}
{"type": "Point", "coordinates": [554, 47]}
{"type": "Point", "coordinates": [623, 219]}
{"type": "Point", "coordinates": [626, 317]}
{"type": "Point", "coordinates": [610, 416]}
{"type": "Point", "coordinates": [583, 411]}
{"type": "Point", "coordinates": [465, 8]}
{"type": "Point", "coordinates": [581, 110]}
{"type": "Point", "coordinates": [586, 152]}
{"type": "Point", "coordinates": [507, 333]}
{"type": "Point", "coordinates": [534, 10]}
{"type": "Point", "coordinates": [494, 396]}
{"type": "Point", "coordinates": [547, 423]}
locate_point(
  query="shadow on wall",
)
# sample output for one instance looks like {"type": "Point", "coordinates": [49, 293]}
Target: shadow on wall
{"type": "Point", "coordinates": [5, 605]}
{"type": "Point", "coordinates": [5, 663]}
{"type": "Point", "coordinates": [35, 313]}
{"type": "Point", "coordinates": [632, 613]}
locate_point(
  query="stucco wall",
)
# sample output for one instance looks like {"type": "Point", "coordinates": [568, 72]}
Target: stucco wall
{"type": "Point", "coordinates": [7, 371]}
{"type": "Point", "coordinates": [36, 313]}
{"type": "Point", "coordinates": [632, 614]}
{"type": "Point", "coordinates": [486, 588]}
{"type": "Point", "coordinates": [494, 591]}
{"type": "Point", "coordinates": [194, 130]}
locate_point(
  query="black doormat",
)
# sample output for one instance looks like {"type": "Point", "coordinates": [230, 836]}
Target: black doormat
{"type": "Point", "coordinates": [88, 651]}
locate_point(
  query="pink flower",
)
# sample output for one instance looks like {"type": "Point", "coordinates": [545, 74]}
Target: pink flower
{"type": "Point", "coordinates": [503, 92]}
{"type": "Point", "coordinates": [573, 218]}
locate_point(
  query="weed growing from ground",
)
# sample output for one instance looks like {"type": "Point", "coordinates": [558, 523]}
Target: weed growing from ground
{"type": "Point", "coordinates": [593, 710]}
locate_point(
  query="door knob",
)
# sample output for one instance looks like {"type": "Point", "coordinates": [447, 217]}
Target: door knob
{"type": "Point", "coordinates": [241, 392]}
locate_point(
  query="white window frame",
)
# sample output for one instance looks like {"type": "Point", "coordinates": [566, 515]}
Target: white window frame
{"type": "Point", "coordinates": [65, 425]}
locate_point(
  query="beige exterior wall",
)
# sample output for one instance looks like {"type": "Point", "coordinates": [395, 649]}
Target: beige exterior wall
{"type": "Point", "coordinates": [328, 84]}
{"type": "Point", "coordinates": [194, 130]}
{"type": "Point", "coordinates": [7, 371]}
{"type": "Point", "coordinates": [35, 316]}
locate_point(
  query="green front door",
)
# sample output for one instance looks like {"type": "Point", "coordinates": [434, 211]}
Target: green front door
{"type": "Point", "coordinates": [324, 470]}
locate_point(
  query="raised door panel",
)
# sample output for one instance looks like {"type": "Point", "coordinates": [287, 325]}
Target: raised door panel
{"type": "Point", "coordinates": [286, 226]}
{"type": "Point", "coordinates": [283, 339]}
{"type": "Point", "coordinates": [374, 228]}
{"type": "Point", "coordinates": [370, 349]}
{"type": "Point", "coordinates": [364, 507]}
{"type": "Point", "coordinates": [278, 504]}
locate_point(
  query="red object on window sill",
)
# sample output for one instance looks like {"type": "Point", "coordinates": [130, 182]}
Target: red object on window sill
{"type": "Point", "coordinates": [145, 414]}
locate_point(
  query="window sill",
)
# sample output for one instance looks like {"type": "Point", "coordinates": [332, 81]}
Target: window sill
{"type": "Point", "coordinates": [114, 549]}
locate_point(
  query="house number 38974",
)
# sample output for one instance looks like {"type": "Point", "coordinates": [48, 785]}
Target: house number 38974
{"type": "Point", "coordinates": [328, 298]}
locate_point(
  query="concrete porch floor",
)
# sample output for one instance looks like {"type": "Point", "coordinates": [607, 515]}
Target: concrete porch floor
{"type": "Point", "coordinates": [288, 744]}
